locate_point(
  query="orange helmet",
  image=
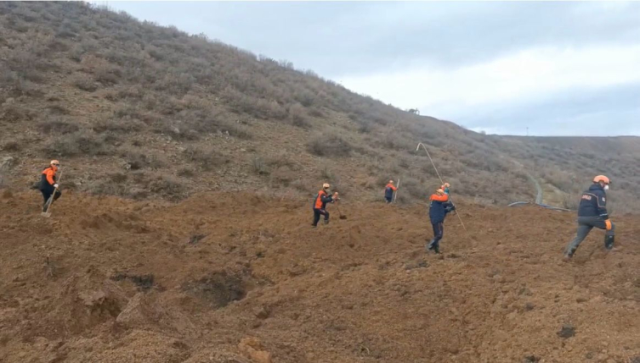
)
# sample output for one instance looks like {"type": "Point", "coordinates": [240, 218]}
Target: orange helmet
{"type": "Point", "coordinates": [601, 178]}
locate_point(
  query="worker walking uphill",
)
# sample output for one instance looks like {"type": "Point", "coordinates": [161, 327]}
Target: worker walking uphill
{"type": "Point", "coordinates": [592, 212]}
{"type": "Point", "coordinates": [389, 189]}
{"type": "Point", "coordinates": [438, 209]}
{"type": "Point", "coordinates": [320, 204]}
{"type": "Point", "coordinates": [48, 183]}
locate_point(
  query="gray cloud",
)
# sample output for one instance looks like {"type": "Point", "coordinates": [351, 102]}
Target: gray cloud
{"type": "Point", "coordinates": [339, 38]}
{"type": "Point", "coordinates": [584, 112]}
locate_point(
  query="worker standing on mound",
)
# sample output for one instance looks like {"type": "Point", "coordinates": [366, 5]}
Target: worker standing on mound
{"type": "Point", "coordinates": [48, 183]}
{"type": "Point", "coordinates": [592, 212]}
{"type": "Point", "coordinates": [320, 204]}
{"type": "Point", "coordinates": [389, 189]}
{"type": "Point", "coordinates": [438, 209]}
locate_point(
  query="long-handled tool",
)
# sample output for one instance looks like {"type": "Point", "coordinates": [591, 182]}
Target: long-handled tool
{"type": "Point", "coordinates": [439, 177]}
{"type": "Point", "coordinates": [342, 216]}
{"type": "Point", "coordinates": [47, 212]}
{"type": "Point", "coordinates": [395, 196]}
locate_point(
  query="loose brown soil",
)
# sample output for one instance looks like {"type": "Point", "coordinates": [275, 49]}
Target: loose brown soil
{"type": "Point", "coordinates": [244, 278]}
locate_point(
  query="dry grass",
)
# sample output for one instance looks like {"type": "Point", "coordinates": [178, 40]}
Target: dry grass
{"type": "Point", "coordinates": [188, 106]}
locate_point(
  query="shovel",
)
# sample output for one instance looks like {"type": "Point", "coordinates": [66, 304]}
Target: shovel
{"type": "Point", "coordinates": [342, 216]}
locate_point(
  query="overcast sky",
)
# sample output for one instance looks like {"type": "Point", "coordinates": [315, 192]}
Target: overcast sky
{"type": "Point", "coordinates": [565, 68]}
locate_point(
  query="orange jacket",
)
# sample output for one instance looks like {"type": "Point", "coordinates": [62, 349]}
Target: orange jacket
{"type": "Point", "coordinates": [322, 199]}
{"type": "Point", "coordinates": [392, 187]}
{"type": "Point", "coordinates": [439, 198]}
{"type": "Point", "coordinates": [50, 174]}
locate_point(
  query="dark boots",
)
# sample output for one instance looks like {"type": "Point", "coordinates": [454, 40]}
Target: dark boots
{"type": "Point", "coordinates": [433, 245]}
{"type": "Point", "coordinates": [608, 241]}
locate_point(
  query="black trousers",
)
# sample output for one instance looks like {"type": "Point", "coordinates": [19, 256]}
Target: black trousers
{"type": "Point", "coordinates": [46, 194]}
{"type": "Point", "coordinates": [317, 213]}
{"type": "Point", "coordinates": [438, 232]}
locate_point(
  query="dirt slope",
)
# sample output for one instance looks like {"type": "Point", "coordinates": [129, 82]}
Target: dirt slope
{"type": "Point", "coordinates": [151, 282]}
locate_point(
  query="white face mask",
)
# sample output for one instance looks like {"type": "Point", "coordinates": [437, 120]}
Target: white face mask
{"type": "Point", "coordinates": [606, 187]}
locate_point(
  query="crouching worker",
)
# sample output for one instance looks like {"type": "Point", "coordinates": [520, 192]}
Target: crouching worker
{"type": "Point", "coordinates": [592, 212]}
{"type": "Point", "coordinates": [388, 191]}
{"type": "Point", "coordinates": [49, 185]}
{"type": "Point", "coordinates": [438, 209]}
{"type": "Point", "coordinates": [320, 204]}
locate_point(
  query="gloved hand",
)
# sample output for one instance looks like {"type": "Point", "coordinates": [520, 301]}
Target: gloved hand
{"type": "Point", "coordinates": [335, 196]}
{"type": "Point", "coordinates": [55, 185]}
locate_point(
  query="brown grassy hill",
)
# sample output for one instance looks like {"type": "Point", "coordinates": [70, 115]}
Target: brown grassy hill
{"type": "Point", "coordinates": [137, 110]}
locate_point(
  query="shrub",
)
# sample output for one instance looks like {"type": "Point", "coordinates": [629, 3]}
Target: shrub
{"type": "Point", "coordinates": [186, 172]}
{"type": "Point", "coordinates": [15, 113]}
{"type": "Point", "coordinates": [85, 84]}
{"type": "Point", "coordinates": [137, 161]}
{"type": "Point", "coordinates": [259, 166]}
{"type": "Point", "coordinates": [298, 116]}
{"type": "Point", "coordinates": [206, 159]}
{"type": "Point", "coordinates": [166, 187]}
{"type": "Point", "coordinates": [58, 126]}
{"type": "Point", "coordinates": [123, 125]}
{"type": "Point", "coordinates": [329, 145]}
{"type": "Point", "coordinates": [80, 143]}
{"type": "Point", "coordinates": [11, 146]}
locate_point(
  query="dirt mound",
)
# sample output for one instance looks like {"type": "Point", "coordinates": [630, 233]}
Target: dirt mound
{"type": "Point", "coordinates": [244, 278]}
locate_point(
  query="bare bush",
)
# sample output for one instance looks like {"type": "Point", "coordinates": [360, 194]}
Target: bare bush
{"type": "Point", "coordinates": [80, 143]}
{"type": "Point", "coordinates": [85, 84]}
{"type": "Point", "coordinates": [122, 125]}
{"type": "Point", "coordinates": [11, 146]}
{"type": "Point", "coordinates": [58, 126]}
{"type": "Point", "coordinates": [206, 159]}
{"type": "Point", "coordinates": [298, 116]}
{"type": "Point", "coordinates": [137, 160]}
{"type": "Point", "coordinates": [259, 166]}
{"type": "Point", "coordinates": [329, 145]}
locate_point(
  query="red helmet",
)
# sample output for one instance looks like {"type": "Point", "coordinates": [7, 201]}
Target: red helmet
{"type": "Point", "coordinates": [601, 178]}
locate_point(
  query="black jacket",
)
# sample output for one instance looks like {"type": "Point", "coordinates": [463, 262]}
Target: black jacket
{"type": "Point", "coordinates": [593, 203]}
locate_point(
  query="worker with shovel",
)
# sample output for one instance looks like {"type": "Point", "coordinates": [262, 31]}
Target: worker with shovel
{"type": "Point", "coordinates": [389, 189]}
{"type": "Point", "coordinates": [592, 212]}
{"type": "Point", "coordinates": [49, 184]}
{"type": "Point", "coordinates": [438, 209]}
{"type": "Point", "coordinates": [320, 204]}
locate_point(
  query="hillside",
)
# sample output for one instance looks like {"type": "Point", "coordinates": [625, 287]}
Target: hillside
{"type": "Point", "coordinates": [111, 280]}
{"type": "Point", "coordinates": [183, 232]}
{"type": "Point", "coordinates": [137, 110]}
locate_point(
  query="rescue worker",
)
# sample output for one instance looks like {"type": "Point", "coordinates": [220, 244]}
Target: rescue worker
{"type": "Point", "coordinates": [48, 183]}
{"type": "Point", "coordinates": [438, 209]}
{"type": "Point", "coordinates": [389, 189]}
{"type": "Point", "coordinates": [592, 212]}
{"type": "Point", "coordinates": [320, 204]}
